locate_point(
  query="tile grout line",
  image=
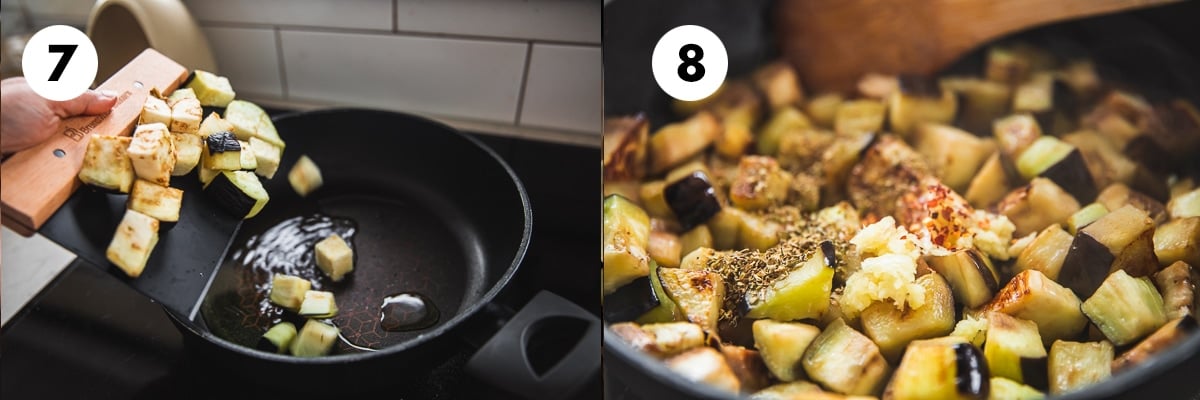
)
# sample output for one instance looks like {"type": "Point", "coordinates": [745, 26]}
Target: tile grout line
{"type": "Point", "coordinates": [524, 83]}
{"type": "Point", "coordinates": [394, 32]}
{"type": "Point", "coordinates": [395, 10]}
{"type": "Point", "coordinates": [282, 69]}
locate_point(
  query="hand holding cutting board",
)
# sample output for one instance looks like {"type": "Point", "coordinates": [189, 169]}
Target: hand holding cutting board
{"type": "Point", "coordinates": [27, 119]}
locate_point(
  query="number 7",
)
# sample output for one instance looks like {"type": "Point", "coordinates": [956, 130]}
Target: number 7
{"type": "Point", "coordinates": [67, 51]}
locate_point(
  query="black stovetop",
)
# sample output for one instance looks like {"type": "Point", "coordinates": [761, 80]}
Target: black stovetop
{"type": "Point", "coordinates": [87, 335]}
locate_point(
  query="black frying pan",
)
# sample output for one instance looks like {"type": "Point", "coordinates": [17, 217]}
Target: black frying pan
{"type": "Point", "coordinates": [427, 210]}
{"type": "Point", "coordinates": [1154, 50]}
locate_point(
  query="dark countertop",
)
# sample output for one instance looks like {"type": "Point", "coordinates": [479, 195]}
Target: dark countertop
{"type": "Point", "coordinates": [88, 335]}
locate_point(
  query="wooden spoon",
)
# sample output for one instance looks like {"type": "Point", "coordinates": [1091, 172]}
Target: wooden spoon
{"type": "Point", "coordinates": [833, 43]}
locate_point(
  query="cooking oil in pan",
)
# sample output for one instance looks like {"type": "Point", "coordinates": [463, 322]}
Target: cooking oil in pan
{"type": "Point", "coordinates": [407, 311]}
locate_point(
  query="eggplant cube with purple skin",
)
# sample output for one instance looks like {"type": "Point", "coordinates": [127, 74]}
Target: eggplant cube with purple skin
{"type": "Point", "coordinates": [335, 257]}
{"type": "Point", "coordinates": [152, 153]}
{"type": "Point", "coordinates": [222, 152]}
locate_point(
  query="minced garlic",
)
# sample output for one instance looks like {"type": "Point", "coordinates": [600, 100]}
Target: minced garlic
{"type": "Point", "coordinates": [886, 277]}
{"type": "Point", "coordinates": [972, 329]}
{"type": "Point", "coordinates": [884, 237]}
{"type": "Point", "coordinates": [992, 234]}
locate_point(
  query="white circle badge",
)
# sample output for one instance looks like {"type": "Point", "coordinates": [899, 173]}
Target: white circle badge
{"type": "Point", "coordinates": [689, 62]}
{"type": "Point", "coordinates": [59, 62]}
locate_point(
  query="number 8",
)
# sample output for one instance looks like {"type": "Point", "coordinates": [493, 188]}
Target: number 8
{"type": "Point", "coordinates": [694, 62]}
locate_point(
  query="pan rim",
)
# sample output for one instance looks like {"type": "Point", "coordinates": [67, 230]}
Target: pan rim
{"type": "Point", "coordinates": [425, 337]}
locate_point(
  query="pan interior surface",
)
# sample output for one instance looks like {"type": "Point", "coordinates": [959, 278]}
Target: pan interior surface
{"type": "Point", "coordinates": [425, 211]}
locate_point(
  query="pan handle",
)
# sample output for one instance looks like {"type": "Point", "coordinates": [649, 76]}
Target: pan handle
{"type": "Point", "coordinates": [515, 357]}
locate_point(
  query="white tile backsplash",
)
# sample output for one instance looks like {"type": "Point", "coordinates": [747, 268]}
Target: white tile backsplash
{"type": "Point", "coordinates": [348, 14]}
{"type": "Point", "coordinates": [453, 77]}
{"type": "Point", "coordinates": [249, 58]}
{"type": "Point", "coordinates": [556, 20]}
{"type": "Point", "coordinates": [70, 12]}
{"type": "Point", "coordinates": [564, 88]}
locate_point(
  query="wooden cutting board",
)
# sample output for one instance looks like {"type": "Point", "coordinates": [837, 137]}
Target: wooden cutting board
{"type": "Point", "coordinates": [37, 181]}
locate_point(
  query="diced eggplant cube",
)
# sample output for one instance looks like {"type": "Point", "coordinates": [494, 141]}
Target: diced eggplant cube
{"type": "Point", "coordinates": [858, 117]}
{"type": "Point", "coordinates": [277, 339]}
{"type": "Point", "coordinates": [941, 368]}
{"type": "Point", "coordinates": [1126, 308]}
{"type": "Point", "coordinates": [705, 365]}
{"type": "Point", "coordinates": [693, 199]}
{"type": "Point", "coordinates": [633, 300]}
{"type": "Point", "coordinates": [240, 192]}
{"type": "Point", "coordinates": [318, 304]}
{"type": "Point", "coordinates": [919, 101]}
{"type": "Point", "coordinates": [249, 160]}
{"type": "Point", "coordinates": [970, 275]}
{"type": "Point", "coordinates": [249, 120]}
{"type": "Point", "coordinates": [335, 257]}
{"type": "Point", "coordinates": [699, 294]}
{"type": "Point", "coordinates": [626, 235]}
{"type": "Point", "coordinates": [675, 143]}
{"type": "Point", "coordinates": [106, 163]}
{"type": "Point", "coordinates": [1036, 206]}
{"type": "Point", "coordinates": [206, 175]}
{"type": "Point", "coordinates": [1178, 240]}
{"type": "Point", "coordinates": [845, 361]}
{"type": "Point", "coordinates": [1120, 240]}
{"type": "Point", "coordinates": [1046, 253]}
{"type": "Point", "coordinates": [1178, 284]}
{"type": "Point", "coordinates": [186, 116]}
{"type": "Point", "coordinates": [955, 154]}
{"type": "Point", "coordinates": [663, 309]}
{"type": "Point", "coordinates": [288, 291]}
{"type": "Point", "coordinates": [213, 123]}
{"type": "Point", "coordinates": [1185, 205]}
{"type": "Point", "coordinates": [152, 153]}
{"type": "Point", "coordinates": [315, 339]}
{"type": "Point", "coordinates": [1163, 339]}
{"type": "Point", "coordinates": [155, 110]}
{"type": "Point", "coordinates": [304, 176]}
{"type": "Point", "coordinates": [625, 139]}
{"type": "Point", "coordinates": [661, 339]}
{"type": "Point", "coordinates": [1015, 133]}
{"type": "Point", "coordinates": [180, 94]}
{"type": "Point", "coordinates": [1074, 365]}
{"type": "Point", "coordinates": [782, 344]}
{"type": "Point", "coordinates": [267, 157]}
{"type": "Point", "coordinates": [893, 329]}
{"type": "Point", "coordinates": [759, 183]}
{"type": "Point", "coordinates": [801, 293]}
{"type": "Point", "coordinates": [211, 90]}
{"type": "Point", "coordinates": [779, 84]}
{"type": "Point", "coordinates": [160, 202]}
{"type": "Point", "coordinates": [222, 152]}
{"type": "Point", "coordinates": [1032, 296]}
{"type": "Point", "coordinates": [665, 248]}
{"type": "Point", "coordinates": [1014, 350]}
{"type": "Point", "coordinates": [136, 236]}
{"type": "Point", "coordinates": [188, 147]}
